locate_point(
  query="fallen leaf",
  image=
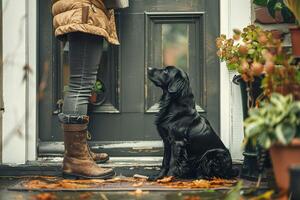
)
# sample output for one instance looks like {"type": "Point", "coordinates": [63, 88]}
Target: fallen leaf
{"type": "Point", "coordinates": [138, 192]}
{"type": "Point", "coordinates": [45, 196]}
{"type": "Point", "coordinates": [192, 198]}
{"type": "Point", "coordinates": [86, 195]}
{"type": "Point", "coordinates": [166, 179]}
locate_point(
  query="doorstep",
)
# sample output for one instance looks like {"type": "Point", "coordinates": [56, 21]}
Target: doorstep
{"type": "Point", "coordinates": [126, 166]}
{"type": "Point", "coordinates": [51, 166]}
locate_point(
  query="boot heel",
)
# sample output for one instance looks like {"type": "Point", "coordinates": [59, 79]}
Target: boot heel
{"type": "Point", "coordinates": [69, 176]}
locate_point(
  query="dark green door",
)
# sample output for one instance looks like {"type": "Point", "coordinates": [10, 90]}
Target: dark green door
{"type": "Point", "coordinates": [152, 33]}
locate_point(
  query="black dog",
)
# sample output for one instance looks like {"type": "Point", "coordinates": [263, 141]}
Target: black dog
{"type": "Point", "coordinates": [191, 147]}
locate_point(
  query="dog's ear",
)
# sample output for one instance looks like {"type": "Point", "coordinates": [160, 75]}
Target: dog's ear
{"type": "Point", "coordinates": [179, 83]}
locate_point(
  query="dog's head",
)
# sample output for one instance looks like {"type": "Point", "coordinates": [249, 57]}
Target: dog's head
{"type": "Point", "coordinates": [171, 79]}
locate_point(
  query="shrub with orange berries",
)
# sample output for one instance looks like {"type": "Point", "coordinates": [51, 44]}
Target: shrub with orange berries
{"type": "Point", "coordinates": [254, 52]}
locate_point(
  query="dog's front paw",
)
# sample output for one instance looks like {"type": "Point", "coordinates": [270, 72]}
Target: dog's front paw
{"type": "Point", "coordinates": [173, 172]}
{"type": "Point", "coordinates": [163, 172]}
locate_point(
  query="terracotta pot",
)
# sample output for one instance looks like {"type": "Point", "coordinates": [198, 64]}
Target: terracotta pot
{"type": "Point", "coordinates": [295, 38]}
{"type": "Point", "coordinates": [277, 34]}
{"type": "Point", "coordinates": [93, 97]}
{"type": "Point", "coordinates": [283, 157]}
{"type": "Point", "coordinates": [263, 16]}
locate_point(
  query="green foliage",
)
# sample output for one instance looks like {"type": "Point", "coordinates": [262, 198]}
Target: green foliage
{"type": "Point", "coordinates": [98, 87]}
{"type": "Point", "coordinates": [235, 193]}
{"type": "Point", "coordinates": [275, 121]}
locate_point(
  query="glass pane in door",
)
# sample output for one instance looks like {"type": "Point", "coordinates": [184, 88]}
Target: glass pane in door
{"type": "Point", "coordinates": [175, 45]}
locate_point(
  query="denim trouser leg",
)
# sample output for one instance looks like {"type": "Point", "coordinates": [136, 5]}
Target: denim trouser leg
{"type": "Point", "coordinates": [85, 52]}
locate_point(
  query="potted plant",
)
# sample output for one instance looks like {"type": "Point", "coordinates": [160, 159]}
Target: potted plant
{"type": "Point", "coordinates": [273, 11]}
{"type": "Point", "coordinates": [248, 53]}
{"type": "Point", "coordinates": [283, 79]}
{"type": "Point", "coordinates": [98, 93]}
{"type": "Point", "coordinates": [294, 6]}
{"type": "Point", "coordinates": [274, 125]}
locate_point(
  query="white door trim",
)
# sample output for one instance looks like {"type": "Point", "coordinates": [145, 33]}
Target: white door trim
{"type": "Point", "coordinates": [233, 14]}
{"type": "Point", "coordinates": [19, 49]}
{"type": "Point", "coordinates": [14, 88]}
{"type": "Point", "coordinates": [32, 84]}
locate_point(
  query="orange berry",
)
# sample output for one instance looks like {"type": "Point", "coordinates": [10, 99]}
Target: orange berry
{"type": "Point", "coordinates": [257, 68]}
{"type": "Point", "coordinates": [263, 39]}
{"type": "Point", "coordinates": [243, 49]}
{"type": "Point", "coordinates": [269, 67]}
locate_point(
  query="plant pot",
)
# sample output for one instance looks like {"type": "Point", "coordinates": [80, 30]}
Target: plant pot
{"type": "Point", "coordinates": [97, 99]}
{"type": "Point", "coordinates": [255, 93]}
{"type": "Point", "coordinates": [263, 16]}
{"type": "Point", "coordinates": [294, 188]}
{"type": "Point", "coordinates": [283, 157]}
{"type": "Point", "coordinates": [250, 168]}
{"type": "Point", "coordinates": [295, 38]}
{"type": "Point", "coordinates": [93, 97]}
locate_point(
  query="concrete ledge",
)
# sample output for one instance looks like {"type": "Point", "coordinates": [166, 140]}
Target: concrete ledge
{"type": "Point", "coordinates": [126, 166]}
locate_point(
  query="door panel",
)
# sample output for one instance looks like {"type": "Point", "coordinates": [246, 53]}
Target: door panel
{"type": "Point", "coordinates": [152, 33]}
{"type": "Point", "coordinates": [179, 41]}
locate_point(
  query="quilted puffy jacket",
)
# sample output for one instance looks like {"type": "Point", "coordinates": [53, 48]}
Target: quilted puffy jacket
{"type": "Point", "coordinates": [89, 16]}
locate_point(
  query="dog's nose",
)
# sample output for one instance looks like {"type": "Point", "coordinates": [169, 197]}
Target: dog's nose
{"type": "Point", "coordinates": [150, 68]}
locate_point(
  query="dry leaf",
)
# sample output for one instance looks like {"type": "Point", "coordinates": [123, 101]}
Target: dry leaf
{"type": "Point", "coordinates": [45, 196]}
{"type": "Point", "coordinates": [192, 198]}
{"type": "Point", "coordinates": [138, 192]}
{"type": "Point", "coordinates": [86, 195]}
{"type": "Point", "coordinates": [166, 179]}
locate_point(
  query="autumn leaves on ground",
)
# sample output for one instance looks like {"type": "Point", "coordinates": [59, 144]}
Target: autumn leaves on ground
{"type": "Point", "coordinates": [125, 183]}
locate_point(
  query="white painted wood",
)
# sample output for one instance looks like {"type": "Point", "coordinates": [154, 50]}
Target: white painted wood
{"type": "Point", "coordinates": [224, 80]}
{"type": "Point", "coordinates": [234, 14]}
{"type": "Point", "coordinates": [14, 59]}
{"type": "Point", "coordinates": [31, 92]}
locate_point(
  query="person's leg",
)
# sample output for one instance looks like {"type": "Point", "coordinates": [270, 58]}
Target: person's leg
{"type": "Point", "coordinates": [85, 52]}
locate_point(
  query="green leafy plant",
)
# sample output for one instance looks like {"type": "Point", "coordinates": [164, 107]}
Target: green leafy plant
{"type": "Point", "coordinates": [274, 6]}
{"type": "Point", "coordinates": [294, 7]}
{"type": "Point", "coordinates": [275, 121]}
{"type": "Point", "coordinates": [98, 87]}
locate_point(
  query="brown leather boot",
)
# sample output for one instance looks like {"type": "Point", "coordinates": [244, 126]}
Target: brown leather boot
{"type": "Point", "coordinates": [78, 162]}
{"type": "Point", "coordinates": [97, 157]}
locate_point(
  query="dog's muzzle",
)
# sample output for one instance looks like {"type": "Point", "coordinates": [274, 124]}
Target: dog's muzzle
{"type": "Point", "coordinates": [150, 72]}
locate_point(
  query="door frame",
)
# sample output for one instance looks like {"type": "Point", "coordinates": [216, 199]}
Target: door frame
{"type": "Point", "coordinates": [230, 106]}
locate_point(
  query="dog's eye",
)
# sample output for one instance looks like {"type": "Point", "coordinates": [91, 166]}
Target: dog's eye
{"type": "Point", "coordinates": [165, 71]}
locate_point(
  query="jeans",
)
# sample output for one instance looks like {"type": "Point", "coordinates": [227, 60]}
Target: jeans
{"type": "Point", "coordinates": [85, 51]}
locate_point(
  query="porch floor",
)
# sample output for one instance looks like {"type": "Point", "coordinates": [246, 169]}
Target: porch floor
{"type": "Point", "coordinates": [10, 175]}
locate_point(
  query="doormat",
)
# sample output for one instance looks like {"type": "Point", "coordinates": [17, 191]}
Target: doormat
{"type": "Point", "coordinates": [52, 184]}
